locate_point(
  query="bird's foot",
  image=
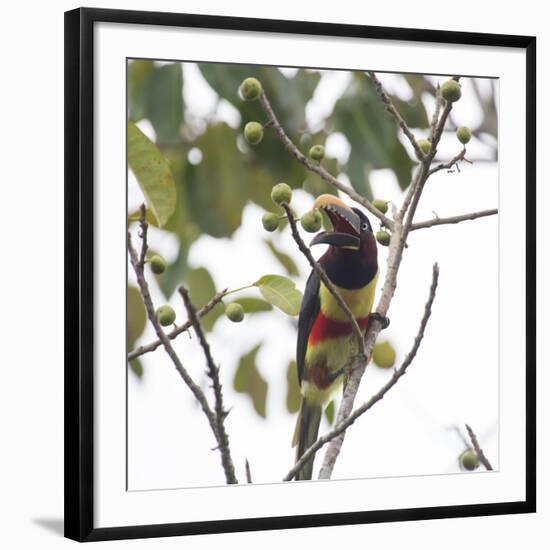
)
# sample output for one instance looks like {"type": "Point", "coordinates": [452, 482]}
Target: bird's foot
{"type": "Point", "coordinates": [382, 319]}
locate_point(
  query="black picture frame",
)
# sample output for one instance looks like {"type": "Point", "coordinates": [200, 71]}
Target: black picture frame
{"type": "Point", "coordinates": [79, 272]}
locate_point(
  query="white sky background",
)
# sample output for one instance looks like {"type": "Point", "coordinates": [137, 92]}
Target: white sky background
{"type": "Point", "coordinates": [453, 380]}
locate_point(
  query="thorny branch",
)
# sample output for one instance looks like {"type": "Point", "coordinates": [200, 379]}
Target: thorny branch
{"type": "Point", "coordinates": [479, 451]}
{"type": "Point", "coordinates": [138, 263]}
{"type": "Point", "coordinates": [342, 426]}
{"type": "Point", "coordinates": [214, 375]}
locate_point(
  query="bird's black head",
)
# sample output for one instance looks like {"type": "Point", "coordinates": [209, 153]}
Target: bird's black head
{"type": "Point", "coordinates": [352, 255]}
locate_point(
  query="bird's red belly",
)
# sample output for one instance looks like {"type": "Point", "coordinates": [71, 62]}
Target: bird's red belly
{"type": "Point", "coordinates": [325, 328]}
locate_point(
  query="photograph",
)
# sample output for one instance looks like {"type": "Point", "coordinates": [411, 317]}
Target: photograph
{"type": "Point", "coordinates": [313, 276]}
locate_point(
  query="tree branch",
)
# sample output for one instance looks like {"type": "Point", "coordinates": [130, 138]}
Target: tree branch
{"type": "Point", "coordinates": [454, 219]}
{"type": "Point", "coordinates": [479, 451]}
{"type": "Point", "coordinates": [390, 107]}
{"type": "Point", "coordinates": [448, 165]}
{"type": "Point", "coordinates": [138, 265]}
{"type": "Point", "coordinates": [401, 226]}
{"type": "Point", "coordinates": [213, 373]}
{"type": "Point", "coordinates": [315, 167]}
{"type": "Point", "coordinates": [324, 277]}
{"type": "Point", "coordinates": [207, 308]}
{"type": "Point", "coordinates": [342, 426]}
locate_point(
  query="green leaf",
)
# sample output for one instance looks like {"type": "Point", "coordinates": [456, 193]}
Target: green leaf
{"type": "Point", "coordinates": [248, 380]}
{"type": "Point", "coordinates": [293, 394]}
{"type": "Point", "coordinates": [137, 367]}
{"type": "Point", "coordinates": [139, 72]}
{"type": "Point", "coordinates": [201, 290]}
{"type": "Point", "coordinates": [136, 324]}
{"type": "Point", "coordinates": [284, 259]}
{"type": "Point", "coordinates": [281, 292]}
{"type": "Point", "coordinates": [153, 174]}
{"type": "Point", "coordinates": [329, 412]}
{"type": "Point", "coordinates": [156, 93]}
{"type": "Point", "coordinates": [254, 305]}
{"type": "Point", "coordinates": [217, 188]}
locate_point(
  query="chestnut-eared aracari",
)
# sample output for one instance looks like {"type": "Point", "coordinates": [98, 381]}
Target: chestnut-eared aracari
{"type": "Point", "coordinates": [325, 337]}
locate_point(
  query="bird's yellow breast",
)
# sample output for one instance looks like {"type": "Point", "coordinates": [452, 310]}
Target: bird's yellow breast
{"type": "Point", "coordinates": [360, 301]}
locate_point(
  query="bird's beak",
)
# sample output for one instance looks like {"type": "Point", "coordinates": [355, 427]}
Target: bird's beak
{"type": "Point", "coordinates": [345, 223]}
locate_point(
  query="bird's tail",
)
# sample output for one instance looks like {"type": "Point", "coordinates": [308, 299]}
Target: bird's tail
{"type": "Point", "coordinates": [305, 434]}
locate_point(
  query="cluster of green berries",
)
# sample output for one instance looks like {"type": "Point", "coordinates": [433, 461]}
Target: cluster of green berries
{"type": "Point", "coordinates": [250, 90]}
{"type": "Point", "coordinates": [282, 193]}
{"type": "Point", "coordinates": [451, 91]}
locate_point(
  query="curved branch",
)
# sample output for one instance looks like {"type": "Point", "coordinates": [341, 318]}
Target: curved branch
{"type": "Point", "coordinates": [454, 219]}
{"type": "Point", "coordinates": [345, 424]}
{"type": "Point", "coordinates": [317, 168]}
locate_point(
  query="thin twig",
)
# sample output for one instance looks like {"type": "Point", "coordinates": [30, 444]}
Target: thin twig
{"type": "Point", "coordinates": [326, 281]}
{"type": "Point", "coordinates": [214, 375]}
{"type": "Point", "coordinates": [479, 451]}
{"type": "Point", "coordinates": [316, 167]}
{"type": "Point", "coordinates": [207, 308]}
{"type": "Point", "coordinates": [390, 107]}
{"type": "Point", "coordinates": [342, 426]}
{"type": "Point", "coordinates": [448, 165]}
{"type": "Point", "coordinates": [454, 219]}
{"type": "Point", "coordinates": [247, 470]}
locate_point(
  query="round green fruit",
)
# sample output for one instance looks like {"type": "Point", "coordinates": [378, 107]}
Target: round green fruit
{"type": "Point", "coordinates": [451, 91]}
{"type": "Point", "coordinates": [250, 89]}
{"type": "Point", "coordinates": [311, 221]}
{"type": "Point", "coordinates": [270, 221]}
{"type": "Point", "coordinates": [166, 315]}
{"type": "Point", "coordinates": [281, 193]}
{"type": "Point", "coordinates": [463, 134]}
{"type": "Point", "coordinates": [253, 133]}
{"type": "Point", "coordinates": [469, 460]}
{"type": "Point", "coordinates": [158, 264]}
{"type": "Point", "coordinates": [234, 312]}
{"type": "Point", "coordinates": [425, 145]}
{"type": "Point", "coordinates": [317, 152]}
{"type": "Point", "coordinates": [383, 355]}
{"type": "Point", "coordinates": [383, 237]}
{"type": "Point", "coordinates": [380, 205]}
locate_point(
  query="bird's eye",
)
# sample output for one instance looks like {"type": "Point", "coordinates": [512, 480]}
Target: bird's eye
{"type": "Point", "coordinates": [364, 226]}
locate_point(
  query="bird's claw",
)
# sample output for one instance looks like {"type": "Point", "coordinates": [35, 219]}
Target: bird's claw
{"type": "Point", "coordinates": [382, 319]}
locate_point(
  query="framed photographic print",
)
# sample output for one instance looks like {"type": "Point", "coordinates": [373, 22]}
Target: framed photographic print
{"type": "Point", "coordinates": [300, 274]}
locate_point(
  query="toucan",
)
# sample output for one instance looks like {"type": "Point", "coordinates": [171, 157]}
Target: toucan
{"type": "Point", "coordinates": [325, 340]}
